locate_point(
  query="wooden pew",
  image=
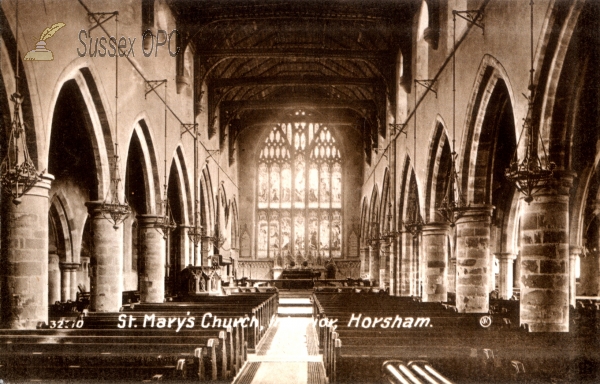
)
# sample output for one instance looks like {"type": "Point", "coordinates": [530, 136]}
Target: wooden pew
{"type": "Point", "coordinates": [484, 354]}
{"type": "Point", "coordinates": [45, 355]}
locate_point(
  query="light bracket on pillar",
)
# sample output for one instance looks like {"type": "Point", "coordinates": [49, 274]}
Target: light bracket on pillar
{"type": "Point", "coordinates": [430, 84]}
{"type": "Point", "coordinates": [474, 17]}
{"type": "Point", "coordinates": [189, 128]}
{"type": "Point", "coordinates": [18, 174]}
{"type": "Point", "coordinates": [530, 174]}
{"type": "Point", "coordinates": [398, 129]}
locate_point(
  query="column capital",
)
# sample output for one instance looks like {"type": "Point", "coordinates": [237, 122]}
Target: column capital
{"type": "Point", "coordinates": [575, 250]}
{"type": "Point", "coordinates": [505, 255]}
{"type": "Point", "coordinates": [148, 221]}
{"type": "Point", "coordinates": [436, 228]}
{"type": "Point", "coordinates": [94, 207]}
{"type": "Point", "coordinates": [560, 183]}
{"type": "Point", "coordinates": [69, 266]}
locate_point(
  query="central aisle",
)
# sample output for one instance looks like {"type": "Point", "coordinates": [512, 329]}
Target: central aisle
{"type": "Point", "coordinates": [287, 354]}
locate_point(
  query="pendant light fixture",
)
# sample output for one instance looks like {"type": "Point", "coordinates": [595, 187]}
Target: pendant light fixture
{"type": "Point", "coordinates": [165, 223]}
{"type": "Point", "coordinates": [113, 209]}
{"type": "Point", "coordinates": [453, 202]}
{"type": "Point", "coordinates": [17, 171]}
{"type": "Point", "coordinates": [415, 226]}
{"type": "Point", "coordinates": [530, 174]}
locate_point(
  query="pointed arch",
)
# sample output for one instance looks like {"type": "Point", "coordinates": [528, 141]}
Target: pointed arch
{"type": "Point", "coordinates": [185, 197]}
{"type": "Point", "coordinates": [82, 84]}
{"type": "Point", "coordinates": [374, 213]}
{"type": "Point", "coordinates": [364, 219]}
{"type": "Point", "coordinates": [438, 170]}
{"type": "Point", "coordinates": [207, 210]}
{"type": "Point", "coordinates": [151, 179]}
{"type": "Point", "coordinates": [62, 224]}
{"type": "Point", "coordinates": [474, 157]}
{"type": "Point", "coordinates": [235, 228]}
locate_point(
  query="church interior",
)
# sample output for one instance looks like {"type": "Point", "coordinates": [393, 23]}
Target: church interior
{"type": "Point", "coordinates": [303, 191]}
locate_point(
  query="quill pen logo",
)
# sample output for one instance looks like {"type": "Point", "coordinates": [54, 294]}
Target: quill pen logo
{"type": "Point", "coordinates": [40, 53]}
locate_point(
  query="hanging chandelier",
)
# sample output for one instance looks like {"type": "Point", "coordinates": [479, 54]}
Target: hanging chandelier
{"type": "Point", "coordinates": [165, 224]}
{"type": "Point", "coordinates": [17, 171]}
{"type": "Point", "coordinates": [389, 233]}
{"type": "Point", "coordinates": [453, 202]}
{"type": "Point", "coordinates": [113, 209]}
{"type": "Point", "coordinates": [195, 234]}
{"type": "Point", "coordinates": [530, 174]}
{"type": "Point", "coordinates": [415, 226]}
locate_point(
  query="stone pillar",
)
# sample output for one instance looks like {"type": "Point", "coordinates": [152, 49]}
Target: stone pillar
{"type": "Point", "coordinates": [364, 261]}
{"type": "Point", "coordinates": [25, 272]}
{"type": "Point", "coordinates": [505, 278]}
{"type": "Point", "coordinates": [84, 275]}
{"type": "Point", "coordinates": [74, 282]}
{"type": "Point", "coordinates": [68, 279]}
{"type": "Point", "coordinates": [393, 262]}
{"type": "Point", "coordinates": [384, 264]}
{"type": "Point", "coordinates": [545, 258]}
{"type": "Point", "coordinates": [574, 251]}
{"type": "Point", "coordinates": [106, 265]}
{"type": "Point", "coordinates": [472, 259]}
{"type": "Point", "coordinates": [53, 278]}
{"type": "Point", "coordinates": [452, 275]}
{"type": "Point", "coordinates": [203, 259]}
{"type": "Point", "coordinates": [435, 254]}
{"type": "Point", "coordinates": [374, 261]}
{"type": "Point", "coordinates": [152, 254]}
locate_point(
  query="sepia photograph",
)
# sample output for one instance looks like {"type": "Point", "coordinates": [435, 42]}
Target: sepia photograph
{"type": "Point", "coordinates": [300, 191]}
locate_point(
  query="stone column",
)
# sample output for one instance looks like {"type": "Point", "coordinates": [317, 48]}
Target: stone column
{"type": "Point", "coordinates": [452, 275]}
{"type": "Point", "coordinates": [393, 260]}
{"type": "Point", "coordinates": [374, 261]}
{"type": "Point", "coordinates": [364, 261]}
{"type": "Point", "coordinates": [384, 264]}
{"type": "Point", "coordinates": [25, 272]}
{"type": "Point", "coordinates": [84, 275]}
{"type": "Point", "coordinates": [53, 278]}
{"type": "Point", "coordinates": [106, 265]}
{"type": "Point", "coordinates": [74, 281]}
{"type": "Point", "coordinates": [545, 258]}
{"type": "Point", "coordinates": [68, 278]}
{"type": "Point", "coordinates": [152, 254]}
{"type": "Point", "coordinates": [472, 259]}
{"type": "Point", "coordinates": [505, 280]}
{"type": "Point", "coordinates": [435, 254]}
{"type": "Point", "coordinates": [206, 244]}
{"type": "Point", "coordinates": [574, 251]}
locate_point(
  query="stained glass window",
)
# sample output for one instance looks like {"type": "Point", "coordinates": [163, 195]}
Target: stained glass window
{"type": "Point", "coordinates": [299, 192]}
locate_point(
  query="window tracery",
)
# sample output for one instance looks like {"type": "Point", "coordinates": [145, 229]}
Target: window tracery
{"type": "Point", "coordinates": [299, 196]}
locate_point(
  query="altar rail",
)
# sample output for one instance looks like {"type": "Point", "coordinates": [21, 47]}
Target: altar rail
{"type": "Point", "coordinates": [303, 283]}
